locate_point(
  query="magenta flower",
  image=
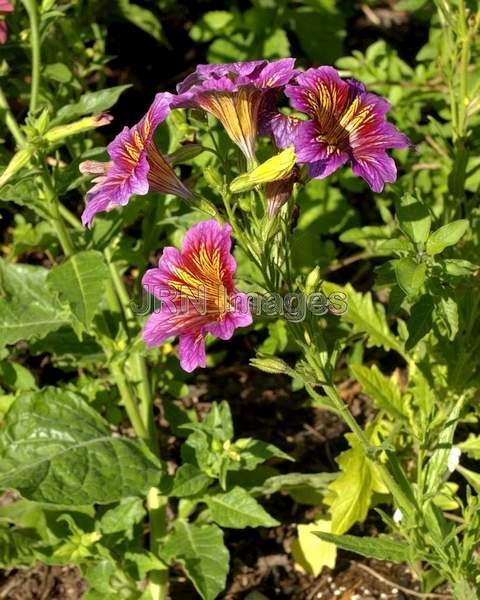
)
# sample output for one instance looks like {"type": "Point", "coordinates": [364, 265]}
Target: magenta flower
{"type": "Point", "coordinates": [5, 8]}
{"type": "Point", "coordinates": [347, 124]}
{"type": "Point", "coordinates": [197, 293]}
{"type": "Point", "coordinates": [137, 167]}
{"type": "Point", "coordinates": [235, 94]}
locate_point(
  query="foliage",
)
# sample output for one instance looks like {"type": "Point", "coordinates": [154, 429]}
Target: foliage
{"type": "Point", "coordinates": [83, 453]}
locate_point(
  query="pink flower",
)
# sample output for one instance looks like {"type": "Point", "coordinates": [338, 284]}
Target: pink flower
{"type": "Point", "coordinates": [237, 94]}
{"type": "Point", "coordinates": [5, 8]}
{"type": "Point", "coordinates": [347, 124]}
{"type": "Point", "coordinates": [137, 167]}
{"type": "Point", "coordinates": [197, 293]}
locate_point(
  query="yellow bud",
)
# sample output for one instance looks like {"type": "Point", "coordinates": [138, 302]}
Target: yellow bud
{"type": "Point", "coordinates": [278, 167]}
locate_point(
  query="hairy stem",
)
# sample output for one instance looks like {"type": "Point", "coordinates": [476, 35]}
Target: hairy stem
{"type": "Point", "coordinates": [32, 9]}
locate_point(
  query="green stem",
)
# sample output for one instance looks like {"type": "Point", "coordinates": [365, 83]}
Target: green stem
{"type": "Point", "coordinates": [129, 402]}
{"type": "Point", "coordinates": [57, 221]}
{"type": "Point", "coordinates": [32, 9]}
{"type": "Point", "coordinates": [139, 366]}
{"type": "Point", "coordinates": [464, 57]}
{"type": "Point", "coordinates": [157, 508]}
{"type": "Point", "coordinates": [11, 122]}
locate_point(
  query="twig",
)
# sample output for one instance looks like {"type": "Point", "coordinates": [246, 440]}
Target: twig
{"type": "Point", "coordinates": [393, 584]}
{"type": "Point", "coordinates": [344, 262]}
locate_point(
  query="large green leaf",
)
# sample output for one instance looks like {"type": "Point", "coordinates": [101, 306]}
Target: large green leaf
{"type": "Point", "coordinates": [55, 448]}
{"type": "Point", "coordinates": [238, 509]}
{"type": "Point", "coordinates": [381, 548]}
{"type": "Point", "coordinates": [90, 103]}
{"type": "Point", "coordinates": [80, 281]}
{"type": "Point", "coordinates": [353, 490]}
{"type": "Point", "coordinates": [367, 317]}
{"type": "Point", "coordinates": [447, 235]}
{"type": "Point", "coordinates": [203, 554]}
{"type": "Point", "coordinates": [27, 307]}
{"type": "Point", "coordinates": [383, 391]}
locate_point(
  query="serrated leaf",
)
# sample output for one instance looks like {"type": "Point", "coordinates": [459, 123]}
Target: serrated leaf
{"type": "Point", "coordinates": [27, 309]}
{"type": "Point", "coordinates": [447, 235]}
{"type": "Point", "coordinates": [368, 317]}
{"type": "Point", "coordinates": [420, 321]}
{"type": "Point", "coordinates": [238, 509]}
{"type": "Point", "coordinates": [203, 554]}
{"type": "Point", "coordinates": [383, 391]}
{"type": "Point", "coordinates": [381, 548]}
{"type": "Point", "coordinates": [310, 552]}
{"type": "Point", "coordinates": [55, 448]}
{"type": "Point", "coordinates": [80, 281]}
{"type": "Point", "coordinates": [354, 488]}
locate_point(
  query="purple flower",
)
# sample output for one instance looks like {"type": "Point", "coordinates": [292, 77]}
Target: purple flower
{"type": "Point", "coordinates": [5, 8]}
{"type": "Point", "coordinates": [236, 94]}
{"type": "Point", "coordinates": [197, 293]}
{"type": "Point", "coordinates": [347, 124]}
{"type": "Point", "coordinates": [137, 166]}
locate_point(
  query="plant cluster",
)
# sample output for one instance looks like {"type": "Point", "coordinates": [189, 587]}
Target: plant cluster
{"type": "Point", "coordinates": [244, 183]}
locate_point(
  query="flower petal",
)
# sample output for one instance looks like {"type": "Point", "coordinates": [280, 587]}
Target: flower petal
{"type": "Point", "coordinates": [377, 169]}
{"type": "Point", "coordinates": [191, 350]}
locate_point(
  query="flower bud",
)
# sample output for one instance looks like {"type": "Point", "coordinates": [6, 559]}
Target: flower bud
{"type": "Point", "coordinates": [271, 364]}
{"type": "Point", "coordinates": [185, 153]}
{"type": "Point", "coordinates": [313, 281]}
{"type": "Point", "coordinates": [276, 168]}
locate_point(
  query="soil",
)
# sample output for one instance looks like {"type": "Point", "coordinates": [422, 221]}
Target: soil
{"type": "Point", "coordinates": [263, 406]}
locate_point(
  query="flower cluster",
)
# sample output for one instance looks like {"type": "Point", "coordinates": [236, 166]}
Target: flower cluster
{"type": "Point", "coordinates": [335, 122]}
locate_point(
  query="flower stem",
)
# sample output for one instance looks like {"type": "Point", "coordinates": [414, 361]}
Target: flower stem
{"type": "Point", "coordinates": [157, 506]}
{"type": "Point", "coordinates": [32, 9]}
{"type": "Point", "coordinates": [11, 122]}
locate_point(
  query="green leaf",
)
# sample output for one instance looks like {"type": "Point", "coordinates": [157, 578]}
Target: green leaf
{"type": "Point", "coordinates": [410, 275]}
{"type": "Point", "coordinates": [437, 466]}
{"type": "Point", "coordinates": [210, 25]}
{"type": "Point", "coordinates": [143, 19]}
{"type": "Point", "coordinates": [201, 551]}
{"type": "Point", "coordinates": [414, 219]}
{"type": "Point", "coordinates": [381, 548]}
{"type": "Point", "coordinates": [368, 317]}
{"type": "Point", "coordinates": [322, 16]}
{"type": "Point", "coordinates": [27, 309]}
{"type": "Point", "coordinates": [445, 236]}
{"type": "Point", "coordinates": [471, 446]}
{"type": "Point", "coordinates": [238, 509]}
{"type": "Point", "coordinates": [58, 72]}
{"type": "Point", "coordinates": [304, 488]}
{"type": "Point", "coordinates": [353, 490]}
{"type": "Point", "coordinates": [420, 322]}
{"type": "Point", "coordinates": [188, 481]}
{"type": "Point", "coordinates": [80, 281]}
{"type": "Point", "coordinates": [89, 104]}
{"type": "Point", "coordinates": [16, 377]}
{"type": "Point", "coordinates": [55, 448]}
{"type": "Point", "coordinates": [311, 553]}
{"type": "Point", "coordinates": [447, 310]}
{"type": "Point", "coordinates": [254, 452]}
{"type": "Point", "coordinates": [123, 517]}
{"type": "Point", "coordinates": [383, 391]}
